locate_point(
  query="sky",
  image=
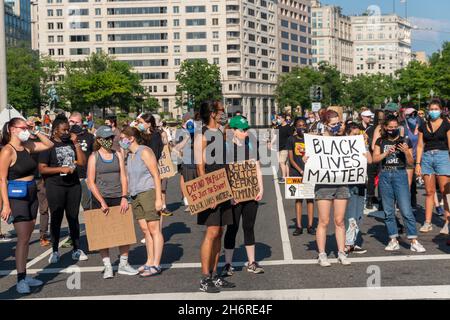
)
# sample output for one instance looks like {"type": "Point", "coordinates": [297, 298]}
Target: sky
{"type": "Point", "coordinates": [424, 14]}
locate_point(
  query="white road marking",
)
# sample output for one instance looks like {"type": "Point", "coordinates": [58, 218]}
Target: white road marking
{"type": "Point", "coordinates": [363, 293]}
{"type": "Point", "coordinates": [286, 243]}
{"type": "Point", "coordinates": [242, 263]}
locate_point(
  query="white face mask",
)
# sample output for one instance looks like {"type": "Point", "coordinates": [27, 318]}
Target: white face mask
{"type": "Point", "coordinates": [24, 135]}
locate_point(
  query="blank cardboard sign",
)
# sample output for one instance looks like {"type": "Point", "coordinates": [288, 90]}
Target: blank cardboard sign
{"type": "Point", "coordinates": [109, 231]}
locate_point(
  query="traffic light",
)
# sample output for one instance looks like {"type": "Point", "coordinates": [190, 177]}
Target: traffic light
{"type": "Point", "coordinates": [318, 93]}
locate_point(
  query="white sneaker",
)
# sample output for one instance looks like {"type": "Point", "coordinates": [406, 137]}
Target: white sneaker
{"type": "Point", "coordinates": [343, 259]}
{"type": "Point", "coordinates": [444, 229]}
{"type": "Point", "coordinates": [323, 260]}
{"type": "Point", "coordinates": [79, 255]}
{"type": "Point", "coordinates": [143, 241]}
{"type": "Point", "coordinates": [33, 282]}
{"type": "Point", "coordinates": [127, 270]}
{"type": "Point", "coordinates": [23, 287]}
{"type": "Point", "coordinates": [393, 245]}
{"type": "Point", "coordinates": [108, 272]}
{"type": "Point", "coordinates": [54, 257]}
{"type": "Point", "coordinates": [427, 227]}
{"type": "Point", "coordinates": [417, 247]}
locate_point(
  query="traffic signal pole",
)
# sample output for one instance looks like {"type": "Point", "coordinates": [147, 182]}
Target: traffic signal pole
{"type": "Point", "coordinates": [3, 83]}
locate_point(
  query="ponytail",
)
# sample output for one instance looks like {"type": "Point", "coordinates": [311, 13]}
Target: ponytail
{"type": "Point", "coordinates": [6, 131]}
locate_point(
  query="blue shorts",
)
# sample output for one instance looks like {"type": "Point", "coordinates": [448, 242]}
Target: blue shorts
{"type": "Point", "coordinates": [436, 162]}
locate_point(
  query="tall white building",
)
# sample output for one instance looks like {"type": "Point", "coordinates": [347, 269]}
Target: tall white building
{"type": "Point", "coordinates": [332, 37]}
{"type": "Point", "coordinates": [155, 36]}
{"type": "Point", "coordinates": [382, 43]}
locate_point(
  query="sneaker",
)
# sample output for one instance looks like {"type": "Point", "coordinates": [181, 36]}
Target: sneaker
{"type": "Point", "coordinates": [108, 272]}
{"type": "Point", "coordinates": [343, 259]}
{"type": "Point", "coordinates": [166, 213]}
{"type": "Point", "coordinates": [208, 286]}
{"type": "Point", "coordinates": [4, 238]}
{"type": "Point", "coordinates": [417, 247]}
{"type": "Point", "coordinates": [358, 250]}
{"type": "Point", "coordinates": [44, 242]}
{"type": "Point", "coordinates": [23, 287]}
{"type": "Point", "coordinates": [227, 270]}
{"type": "Point", "coordinates": [298, 231]}
{"type": "Point", "coordinates": [79, 255]}
{"type": "Point", "coordinates": [127, 270]}
{"type": "Point", "coordinates": [427, 227]}
{"type": "Point", "coordinates": [439, 211]}
{"type": "Point", "coordinates": [143, 241]}
{"type": "Point", "coordinates": [323, 260]}
{"type": "Point", "coordinates": [392, 246]}
{"type": "Point", "coordinates": [444, 229]}
{"type": "Point", "coordinates": [54, 257]}
{"type": "Point", "coordinates": [255, 268]}
{"type": "Point", "coordinates": [311, 230]}
{"type": "Point", "coordinates": [33, 282]}
{"type": "Point", "coordinates": [222, 283]}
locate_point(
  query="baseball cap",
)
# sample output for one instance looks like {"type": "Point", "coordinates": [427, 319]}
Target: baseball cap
{"type": "Point", "coordinates": [239, 122]}
{"type": "Point", "coordinates": [186, 117]}
{"type": "Point", "coordinates": [104, 132]}
{"type": "Point", "coordinates": [393, 107]}
{"type": "Point", "coordinates": [367, 113]}
{"type": "Point", "coordinates": [410, 111]}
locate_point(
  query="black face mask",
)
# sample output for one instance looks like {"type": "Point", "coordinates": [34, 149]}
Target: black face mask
{"type": "Point", "coordinates": [393, 133]}
{"type": "Point", "coordinates": [65, 137]}
{"type": "Point", "coordinates": [76, 129]}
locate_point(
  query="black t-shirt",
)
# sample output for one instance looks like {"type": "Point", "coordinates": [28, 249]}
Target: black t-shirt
{"type": "Point", "coordinates": [297, 145]}
{"type": "Point", "coordinates": [370, 133]}
{"type": "Point", "coordinates": [396, 159]}
{"type": "Point", "coordinates": [436, 140]}
{"type": "Point", "coordinates": [154, 142]}
{"type": "Point", "coordinates": [247, 151]}
{"type": "Point", "coordinates": [86, 141]}
{"type": "Point", "coordinates": [62, 154]}
{"type": "Point", "coordinates": [284, 132]}
{"type": "Point", "coordinates": [217, 155]}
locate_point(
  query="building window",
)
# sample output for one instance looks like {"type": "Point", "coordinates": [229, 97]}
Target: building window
{"type": "Point", "coordinates": [50, 26]}
{"type": "Point", "coordinates": [176, 23]}
{"type": "Point", "coordinates": [98, 12]}
{"type": "Point", "coordinates": [215, 8]}
{"type": "Point", "coordinates": [51, 39]}
{"type": "Point", "coordinates": [177, 62]}
{"type": "Point", "coordinates": [176, 9]}
{"type": "Point", "coordinates": [59, 12]}
{"type": "Point", "coordinates": [215, 22]}
{"type": "Point", "coordinates": [196, 48]}
{"type": "Point", "coordinates": [60, 38]}
{"type": "Point", "coordinates": [195, 9]}
{"type": "Point", "coordinates": [216, 48]}
{"type": "Point", "coordinates": [215, 34]}
{"type": "Point", "coordinates": [59, 26]}
{"type": "Point", "coordinates": [98, 37]}
{"type": "Point", "coordinates": [60, 52]}
{"type": "Point", "coordinates": [51, 52]}
{"type": "Point", "coordinates": [50, 13]}
{"type": "Point", "coordinates": [176, 49]}
{"type": "Point", "coordinates": [216, 61]}
{"type": "Point", "coordinates": [176, 36]}
{"type": "Point", "coordinates": [98, 24]}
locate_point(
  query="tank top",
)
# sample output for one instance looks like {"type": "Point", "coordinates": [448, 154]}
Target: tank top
{"type": "Point", "coordinates": [139, 178]}
{"type": "Point", "coordinates": [25, 165]}
{"type": "Point", "coordinates": [218, 156]}
{"type": "Point", "coordinates": [107, 176]}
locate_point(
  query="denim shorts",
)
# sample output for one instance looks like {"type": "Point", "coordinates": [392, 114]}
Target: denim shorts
{"type": "Point", "coordinates": [331, 192]}
{"type": "Point", "coordinates": [436, 162]}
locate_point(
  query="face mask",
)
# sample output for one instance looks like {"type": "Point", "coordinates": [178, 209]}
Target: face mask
{"type": "Point", "coordinates": [412, 122]}
{"type": "Point", "coordinates": [335, 130]}
{"type": "Point", "coordinates": [141, 127]}
{"type": "Point", "coordinates": [24, 135]}
{"type": "Point", "coordinates": [223, 119]}
{"type": "Point", "coordinates": [300, 131]}
{"type": "Point", "coordinates": [65, 137]}
{"type": "Point", "coordinates": [105, 143]}
{"type": "Point", "coordinates": [393, 133]}
{"type": "Point", "coordinates": [435, 114]}
{"type": "Point", "coordinates": [125, 144]}
{"type": "Point", "coordinates": [76, 129]}
{"type": "Point", "coordinates": [278, 121]}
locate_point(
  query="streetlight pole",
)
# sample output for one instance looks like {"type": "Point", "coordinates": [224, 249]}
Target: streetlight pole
{"type": "Point", "coordinates": [3, 83]}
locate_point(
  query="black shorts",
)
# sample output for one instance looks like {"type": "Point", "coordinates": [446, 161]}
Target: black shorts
{"type": "Point", "coordinates": [221, 216]}
{"type": "Point", "coordinates": [25, 209]}
{"type": "Point", "coordinates": [188, 173]}
{"type": "Point", "coordinates": [111, 202]}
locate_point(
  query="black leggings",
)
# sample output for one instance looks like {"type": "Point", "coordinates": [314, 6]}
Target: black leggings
{"type": "Point", "coordinates": [60, 199]}
{"type": "Point", "coordinates": [248, 212]}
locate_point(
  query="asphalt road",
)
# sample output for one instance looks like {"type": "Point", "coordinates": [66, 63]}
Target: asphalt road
{"type": "Point", "coordinates": [290, 267]}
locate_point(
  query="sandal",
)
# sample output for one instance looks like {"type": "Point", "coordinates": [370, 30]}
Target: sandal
{"type": "Point", "coordinates": [142, 268]}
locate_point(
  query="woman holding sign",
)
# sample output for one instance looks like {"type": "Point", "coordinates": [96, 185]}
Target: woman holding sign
{"type": "Point", "coordinates": [107, 180]}
{"type": "Point", "coordinates": [210, 156]}
{"type": "Point", "coordinates": [144, 186]}
{"type": "Point", "coordinates": [240, 148]}
{"type": "Point", "coordinates": [394, 153]}
{"type": "Point", "coordinates": [19, 191]}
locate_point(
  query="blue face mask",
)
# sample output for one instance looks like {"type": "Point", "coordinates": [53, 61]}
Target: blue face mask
{"type": "Point", "coordinates": [435, 114]}
{"type": "Point", "coordinates": [141, 127]}
{"type": "Point", "coordinates": [412, 122]}
{"type": "Point", "coordinates": [335, 130]}
{"type": "Point", "coordinates": [125, 144]}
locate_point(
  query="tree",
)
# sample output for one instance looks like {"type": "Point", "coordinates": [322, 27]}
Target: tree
{"type": "Point", "coordinates": [102, 82]}
{"type": "Point", "coordinates": [415, 79]}
{"type": "Point", "coordinates": [151, 104]}
{"type": "Point", "coordinates": [368, 90]}
{"type": "Point", "coordinates": [200, 80]}
{"type": "Point", "coordinates": [23, 74]}
{"type": "Point", "coordinates": [332, 83]}
{"type": "Point", "coordinates": [440, 71]}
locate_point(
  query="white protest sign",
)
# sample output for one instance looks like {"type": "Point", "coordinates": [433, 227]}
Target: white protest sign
{"type": "Point", "coordinates": [296, 189]}
{"type": "Point", "coordinates": [335, 160]}
{"type": "Point", "coordinates": [316, 106]}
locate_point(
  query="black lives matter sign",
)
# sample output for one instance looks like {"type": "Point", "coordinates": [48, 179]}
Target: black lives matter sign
{"type": "Point", "coordinates": [243, 178]}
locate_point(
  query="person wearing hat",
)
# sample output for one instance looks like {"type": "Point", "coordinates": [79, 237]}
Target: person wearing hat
{"type": "Point", "coordinates": [107, 180]}
{"type": "Point", "coordinates": [366, 119]}
{"type": "Point", "coordinates": [241, 146]}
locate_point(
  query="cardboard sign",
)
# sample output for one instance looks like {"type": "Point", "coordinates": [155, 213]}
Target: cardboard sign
{"type": "Point", "coordinates": [165, 164]}
{"type": "Point", "coordinates": [335, 160]}
{"type": "Point", "coordinates": [109, 231]}
{"type": "Point", "coordinates": [296, 189]}
{"type": "Point", "coordinates": [211, 188]}
{"type": "Point", "coordinates": [243, 179]}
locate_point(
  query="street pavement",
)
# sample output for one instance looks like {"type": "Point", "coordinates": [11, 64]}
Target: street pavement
{"type": "Point", "coordinates": [290, 267]}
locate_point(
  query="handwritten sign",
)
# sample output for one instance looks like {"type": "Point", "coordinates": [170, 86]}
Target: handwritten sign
{"type": "Point", "coordinates": [296, 189]}
{"type": "Point", "coordinates": [335, 160]}
{"type": "Point", "coordinates": [109, 231]}
{"type": "Point", "coordinates": [202, 192]}
{"type": "Point", "coordinates": [243, 178]}
{"type": "Point", "coordinates": [165, 164]}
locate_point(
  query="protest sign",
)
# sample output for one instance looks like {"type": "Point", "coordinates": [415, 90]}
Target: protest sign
{"type": "Point", "coordinates": [243, 178]}
{"type": "Point", "coordinates": [109, 231]}
{"type": "Point", "coordinates": [296, 189]}
{"type": "Point", "coordinates": [165, 164]}
{"type": "Point", "coordinates": [335, 160]}
{"type": "Point", "coordinates": [202, 192]}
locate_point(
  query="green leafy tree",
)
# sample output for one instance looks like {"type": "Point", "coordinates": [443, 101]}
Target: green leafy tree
{"type": "Point", "coordinates": [200, 80]}
{"type": "Point", "coordinates": [151, 104]}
